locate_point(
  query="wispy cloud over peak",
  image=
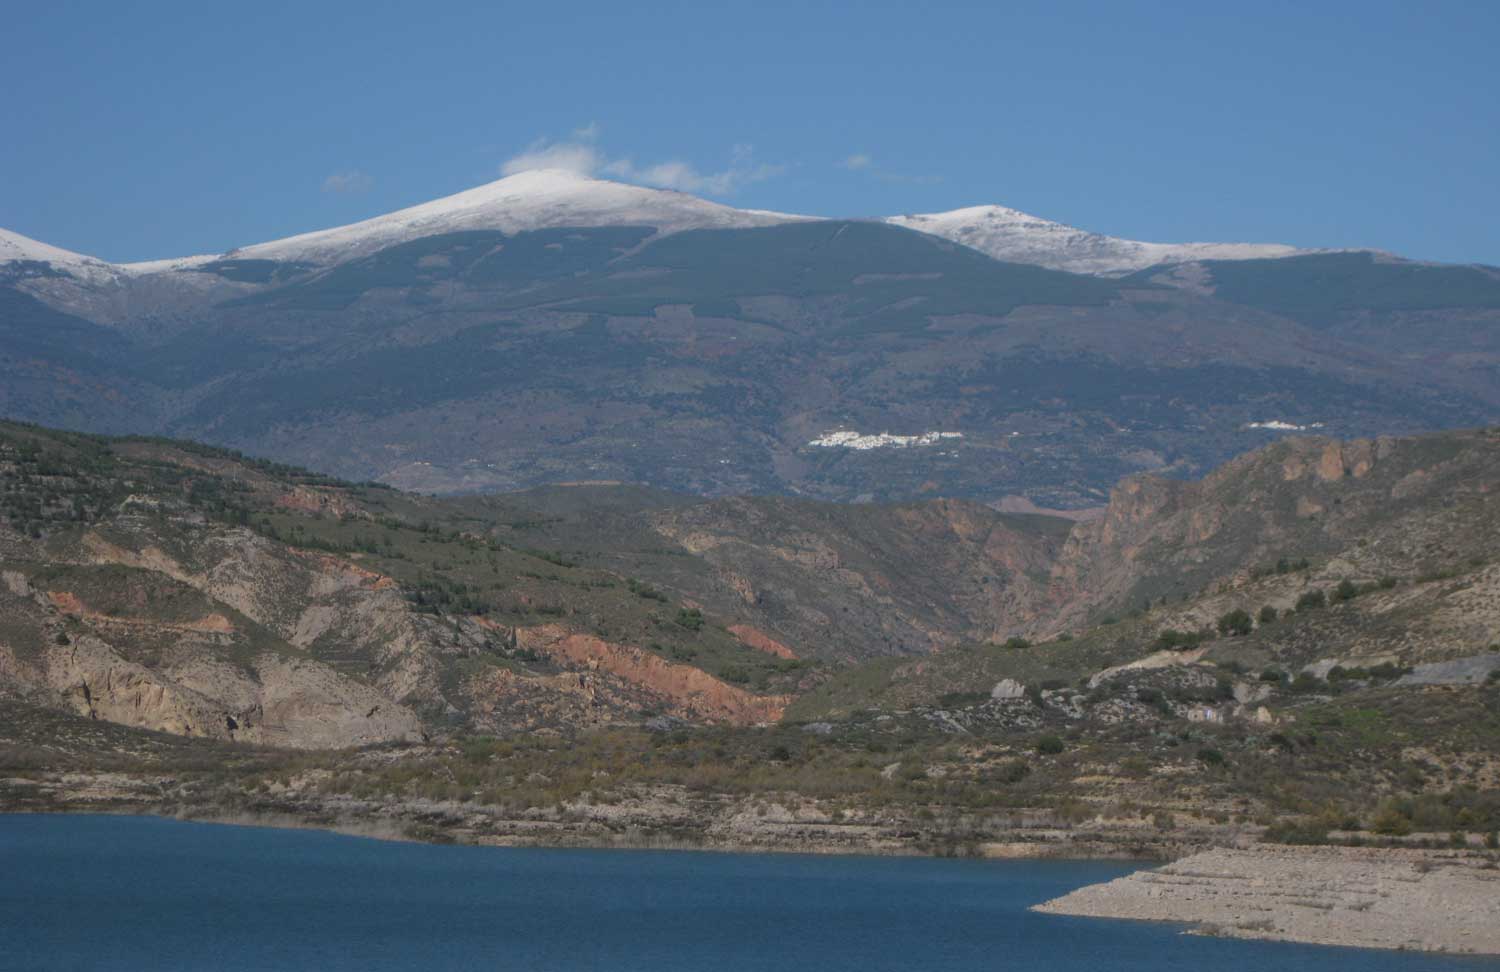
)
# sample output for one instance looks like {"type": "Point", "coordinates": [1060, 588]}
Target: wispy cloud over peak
{"type": "Point", "coordinates": [580, 153]}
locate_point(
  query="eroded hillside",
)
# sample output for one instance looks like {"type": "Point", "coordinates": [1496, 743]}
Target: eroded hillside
{"type": "Point", "coordinates": [185, 590]}
{"type": "Point", "coordinates": [175, 587]}
{"type": "Point", "coordinates": [1302, 644]}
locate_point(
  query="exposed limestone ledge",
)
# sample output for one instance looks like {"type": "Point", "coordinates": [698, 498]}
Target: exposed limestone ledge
{"type": "Point", "coordinates": [1438, 901]}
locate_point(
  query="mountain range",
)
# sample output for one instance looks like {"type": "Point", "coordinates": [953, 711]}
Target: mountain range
{"type": "Point", "coordinates": [550, 199]}
{"type": "Point", "coordinates": [551, 328]}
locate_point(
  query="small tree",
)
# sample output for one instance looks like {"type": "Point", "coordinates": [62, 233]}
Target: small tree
{"type": "Point", "coordinates": [1173, 640]}
{"type": "Point", "coordinates": [1346, 591]}
{"type": "Point", "coordinates": [1236, 622]}
{"type": "Point", "coordinates": [1311, 600]}
{"type": "Point", "coordinates": [1050, 745]}
{"type": "Point", "coordinates": [1267, 615]}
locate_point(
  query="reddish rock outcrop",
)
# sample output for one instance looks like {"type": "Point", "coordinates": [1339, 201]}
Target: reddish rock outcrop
{"type": "Point", "coordinates": [691, 691]}
{"type": "Point", "coordinates": [760, 641]}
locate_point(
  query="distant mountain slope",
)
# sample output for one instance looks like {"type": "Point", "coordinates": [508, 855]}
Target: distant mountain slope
{"type": "Point", "coordinates": [495, 340]}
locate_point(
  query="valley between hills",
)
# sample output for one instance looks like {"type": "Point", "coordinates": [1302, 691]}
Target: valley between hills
{"type": "Point", "coordinates": [1302, 647]}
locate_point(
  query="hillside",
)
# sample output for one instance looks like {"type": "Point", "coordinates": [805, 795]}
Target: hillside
{"type": "Point", "coordinates": [184, 589]}
{"type": "Point", "coordinates": [548, 329]}
{"type": "Point", "coordinates": [1303, 641]}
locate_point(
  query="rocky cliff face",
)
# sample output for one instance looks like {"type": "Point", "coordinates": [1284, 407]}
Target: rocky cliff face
{"type": "Point", "coordinates": [207, 677]}
{"type": "Point", "coordinates": [1382, 505]}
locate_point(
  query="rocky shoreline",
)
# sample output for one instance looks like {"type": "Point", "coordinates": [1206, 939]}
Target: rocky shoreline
{"type": "Point", "coordinates": [663, 817]}
{"type": "Point", "coordinates": [1421, 900]}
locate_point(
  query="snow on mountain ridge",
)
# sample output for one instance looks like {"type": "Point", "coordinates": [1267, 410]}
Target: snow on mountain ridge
{"type": "Point", "coordinates": [1017, 237]}
{"type": "Point", "coordinates": [15, 247]}
{"type": "Point", "coordinates": [548, 198]}
{"type": "Point", "coordinates": [536, 199]}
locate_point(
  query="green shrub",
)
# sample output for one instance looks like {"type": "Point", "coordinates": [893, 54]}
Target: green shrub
{"type": "Point", "coordinates": [1171, 640]}
{"type": "Point", "coordinates": [1311, 600]}
{"type": "Point", "coordinates": [1386, 671]}
{"type": "Point", "coordinates": [1305, 831]}
{"type": "Point", "coordinates": [1050, 745]}
{"type": "Point", "coordinates": [1346, 591]}
{"type": "Point", "coordinates": [1235, 623]}
{"type": "Point", "coordinates": [1391, 822]}
{"type": "Point", "coordinates": [1210, 757]}
{"type": "Point", "coordinates": [1306, 683]}
{"type": "Point", "coordinates": [1267, 615]}
{"type": "Point", "coordinates": [1013, 771]}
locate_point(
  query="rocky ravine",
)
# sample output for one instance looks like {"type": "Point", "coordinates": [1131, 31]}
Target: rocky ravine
{"type": "Point", "coordinates": [1442, 901]}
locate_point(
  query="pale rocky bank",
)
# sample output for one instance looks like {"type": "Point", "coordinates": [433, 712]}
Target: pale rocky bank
{"type": "Point", "coordinates": [1437, 901]}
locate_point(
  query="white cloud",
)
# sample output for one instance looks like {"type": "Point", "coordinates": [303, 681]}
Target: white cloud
{"type": "Point", "coordinates": [858, 160]}
{"type": "Point", "coordinates": [351, 180]}
{"type": "Point", "coordinates": [581, 155]}
{"type": "Point", "coordinates": [578, 157]}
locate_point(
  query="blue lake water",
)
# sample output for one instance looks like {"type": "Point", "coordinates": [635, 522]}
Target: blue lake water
{"type": "Point", "coordinates": [138, 893]}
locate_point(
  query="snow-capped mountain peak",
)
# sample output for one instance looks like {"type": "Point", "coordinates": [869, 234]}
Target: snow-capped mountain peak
{"type": "Point", "coordinates": [15, 247]}
{"type": "Point", "coordinates": [1017, 237]}
{"type": "Point", "coordinates": [531, 200]}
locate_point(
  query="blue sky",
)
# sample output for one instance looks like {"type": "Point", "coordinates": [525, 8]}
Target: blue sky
{"type": "Point", "coordinates": [138, 131]}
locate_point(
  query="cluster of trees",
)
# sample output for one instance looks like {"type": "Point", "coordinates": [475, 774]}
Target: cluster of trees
{"type": "Point", "coordinates": [438, 595]}
{"type": "Point", "coordinates": [41, 489]}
